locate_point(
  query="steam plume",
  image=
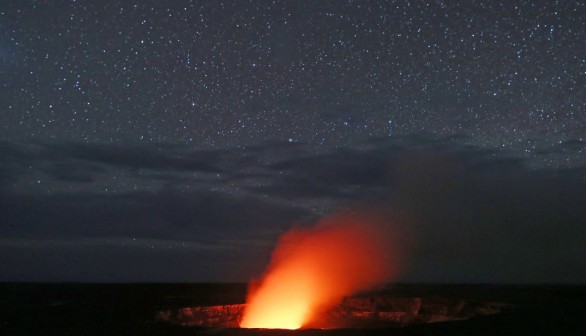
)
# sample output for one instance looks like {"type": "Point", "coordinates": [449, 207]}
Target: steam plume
{"type": "Point", "coordinates": [312, 269]}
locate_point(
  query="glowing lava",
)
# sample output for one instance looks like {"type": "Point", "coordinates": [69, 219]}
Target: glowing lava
{"type": "Point", "coordinates": [312, 269]}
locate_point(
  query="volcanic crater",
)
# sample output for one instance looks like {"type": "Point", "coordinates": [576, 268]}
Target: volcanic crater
{"type": "Point", "coordinates": [359, 312]}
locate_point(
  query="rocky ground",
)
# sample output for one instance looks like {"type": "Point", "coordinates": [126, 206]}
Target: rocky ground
{"type": "Point", "coordinates": [163, 309]}
{"type": "Point", "coordinates": [374, 311]}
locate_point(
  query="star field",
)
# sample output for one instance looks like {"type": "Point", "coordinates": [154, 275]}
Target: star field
{"type": "Point", "coordinates": [175, 141]}
{"type": "Point", "coordinates": [222, 74]}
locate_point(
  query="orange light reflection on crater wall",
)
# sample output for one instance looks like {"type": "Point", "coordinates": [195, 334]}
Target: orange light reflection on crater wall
{"type": "Point", "coordinates": [312, 269]}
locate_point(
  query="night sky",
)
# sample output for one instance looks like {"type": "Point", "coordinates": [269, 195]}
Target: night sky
{"type": "Point", "coordinates": [176, 140]}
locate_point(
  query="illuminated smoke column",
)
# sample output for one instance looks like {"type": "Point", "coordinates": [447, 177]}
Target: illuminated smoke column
{"type": "Point", "coordinates": [312, 269]}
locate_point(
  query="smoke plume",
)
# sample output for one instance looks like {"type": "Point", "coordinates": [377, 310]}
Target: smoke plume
{"type": "Point", "coordinates": [312, 269]}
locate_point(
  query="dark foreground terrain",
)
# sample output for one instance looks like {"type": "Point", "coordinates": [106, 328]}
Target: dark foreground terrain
{"type": "Point", "coordinates": [133, 309]}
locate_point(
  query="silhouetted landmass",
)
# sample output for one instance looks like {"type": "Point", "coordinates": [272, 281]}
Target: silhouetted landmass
{"type": "Point", "coordinates": [131, 309]}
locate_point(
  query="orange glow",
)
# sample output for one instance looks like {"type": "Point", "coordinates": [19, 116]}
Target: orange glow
{"type": "Point", "coordinates": [312, 269]}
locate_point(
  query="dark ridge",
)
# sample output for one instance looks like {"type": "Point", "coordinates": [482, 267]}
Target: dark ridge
{"type": "Point", "coordinates": [131, 309]}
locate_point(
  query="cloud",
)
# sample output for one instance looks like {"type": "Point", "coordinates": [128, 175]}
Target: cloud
{"type": "Point", "coordinates": [166, 215]}
{"type": "Point", "coordinates": [494, 222]}
{"type": "Point", "coordinates": [478, 214]}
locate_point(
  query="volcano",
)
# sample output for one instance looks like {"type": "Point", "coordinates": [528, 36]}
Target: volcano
{"type": "Point", "coordinates": [360, 312]}
{"type": "Point", "coordinates": [216, 309]}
